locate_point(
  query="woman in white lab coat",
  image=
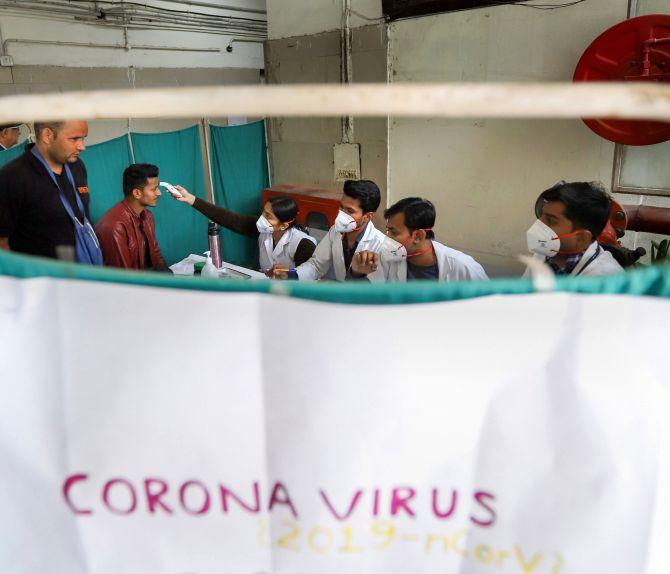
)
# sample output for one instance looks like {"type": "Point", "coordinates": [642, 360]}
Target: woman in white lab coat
{"type": "Point", "coordinates": [281, 241]}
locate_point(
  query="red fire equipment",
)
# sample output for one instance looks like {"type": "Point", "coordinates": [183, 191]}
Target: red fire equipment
{"type": "Point", "coordinates": [636, 50]}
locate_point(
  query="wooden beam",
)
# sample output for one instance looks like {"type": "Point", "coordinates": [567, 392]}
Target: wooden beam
{"type": "Point", "coordinates": [480, 100]}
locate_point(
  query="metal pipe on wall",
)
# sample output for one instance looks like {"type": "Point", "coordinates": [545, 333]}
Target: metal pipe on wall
{"type": "Point", "coordinates": [135, 15]}
{"type": "Point", "coordinates": [237, 33]}
{"type": "Point", "coordinates": [245, 40]}
{"type": "Point", "coordinates": [2, 43]}
{"type": "Point", "coordinates": [104, 46]}
{"type": "Point", "coordinates": [648, 219]}
{"type": "Point", "coordinates": [346, 67]}
{"type": "Point", "coordinates": [96, 4]}
{"type": "Point", "coordinates": [207, 158]}
{"type": "Point", "coordinates": [202, 5]}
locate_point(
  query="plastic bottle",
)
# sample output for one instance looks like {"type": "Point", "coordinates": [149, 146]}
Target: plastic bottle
{"type": "Point", "coordinates": [214, 245]}
{"type": "Point", "coordinates": [209, 270]}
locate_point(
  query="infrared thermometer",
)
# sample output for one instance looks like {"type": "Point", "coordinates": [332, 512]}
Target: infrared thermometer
{"type": "Point", "coordinates": [172, 190]}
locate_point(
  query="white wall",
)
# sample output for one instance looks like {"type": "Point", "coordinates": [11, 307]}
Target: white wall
{"type": "Point", "coordinates": [54, 68]}
{"type": "Point", "coordinates": [25, 28]}
{"type": "Point", "coordinates": [288, 18]}
{"type": "Point", "coordinates": [302, 148]}
{"type": "Point", "coordinates": [652, 7]}
{"type": "Point", "coordinates": [484, 175]}
{"type": "Point", "coordinates": [41, 79]}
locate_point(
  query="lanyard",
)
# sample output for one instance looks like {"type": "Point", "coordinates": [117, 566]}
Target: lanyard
{"type": "Point", "coordinates": [591, 260]}
{"type": "Point", "coordinates": [87, 247]}
{"type": "Point", "coordinates": [64, 201]}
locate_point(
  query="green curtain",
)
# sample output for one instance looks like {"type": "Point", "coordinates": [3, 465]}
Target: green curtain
{"type": "Point", "coordinates": [240, 172]}
{"type": "Point", "coordinates": [180, 229]}
{"type": "Point", "coordinates": [105, 163]}
{"type": "Point", "coordinates": [649, 281]}
{"type": "Point", "coordinates": [12, 153]}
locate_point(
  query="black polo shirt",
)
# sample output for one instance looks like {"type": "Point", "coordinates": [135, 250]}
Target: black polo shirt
{"type": "Point", "coordinates": [32, 215]}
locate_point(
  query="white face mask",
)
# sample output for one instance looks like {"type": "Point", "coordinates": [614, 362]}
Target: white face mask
{"type": "Point", "coordinates": [543, 240]}
{"type": "Point", "coordinates": [345, 223]}
{"type": "Point", "coordinates": [393, 250]}
{"type": "Point", "coordinates": [263, 225]}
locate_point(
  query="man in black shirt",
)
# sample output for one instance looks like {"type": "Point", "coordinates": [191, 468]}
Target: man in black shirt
{"type": "Point", "coordinates": [33, 218]}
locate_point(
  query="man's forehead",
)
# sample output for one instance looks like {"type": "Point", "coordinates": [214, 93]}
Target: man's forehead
{"type": "Point", "coordinates": [555, 208]}
{"type": "Point", "coordinates": [397, 221]}
{"type": "Point", "coordinates": [350, 202]}
{"type": "Point", "coordinates": [74, 128]}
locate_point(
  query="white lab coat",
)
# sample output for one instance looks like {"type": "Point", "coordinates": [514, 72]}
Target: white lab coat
{"type": "Point", "coordinates": [282, 254]}
{"type": "Point", "coordinates": [453, 265]}
{"type": "Point", "coordinates": [603, 264]}
{"type": "Point", "coordinates": [329, 254]}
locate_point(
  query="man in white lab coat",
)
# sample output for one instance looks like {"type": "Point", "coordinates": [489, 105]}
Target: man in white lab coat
{"type": "Point", "coordinates": [353, 236]}
{"type": "Point", "coordinates": [570, 218]}
{"type": "Point", "coordinates": [411, 253]}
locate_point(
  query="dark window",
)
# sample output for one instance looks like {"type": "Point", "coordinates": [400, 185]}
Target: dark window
{"type": "Point", "coordinates": [395, 9]}
{"type": "Point", "coordinates": [316, 220]}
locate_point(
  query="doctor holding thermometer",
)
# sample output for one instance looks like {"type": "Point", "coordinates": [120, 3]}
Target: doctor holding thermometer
{"type": "Point", "coordinates": [282, 243]}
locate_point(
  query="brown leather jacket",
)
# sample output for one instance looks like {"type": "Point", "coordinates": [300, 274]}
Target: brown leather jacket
{"type": "Point", "coordinates": [122, 241]}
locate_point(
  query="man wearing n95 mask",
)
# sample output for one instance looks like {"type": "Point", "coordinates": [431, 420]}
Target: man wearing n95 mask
{"type": "Point", "coordinates": [352, 237]}
{"type": "Point", "coordinates": [411, 249]}
{"type": "Point", "coordinates": [570, 218]}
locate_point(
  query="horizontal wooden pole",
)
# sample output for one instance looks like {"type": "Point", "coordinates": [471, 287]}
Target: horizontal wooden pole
{"type": "Point", "coordinates": [568, 100]}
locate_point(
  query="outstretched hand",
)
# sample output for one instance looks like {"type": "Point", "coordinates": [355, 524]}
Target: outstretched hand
{"type": "Point", "coordinates": [186, 196]}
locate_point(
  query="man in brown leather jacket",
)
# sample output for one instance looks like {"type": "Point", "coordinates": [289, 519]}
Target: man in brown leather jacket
{"type": "Point", "coordinates": [127, 232]}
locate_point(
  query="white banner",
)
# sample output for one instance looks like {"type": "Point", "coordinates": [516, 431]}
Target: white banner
{"type": "Point", "coordinates": [148, 430]}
